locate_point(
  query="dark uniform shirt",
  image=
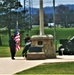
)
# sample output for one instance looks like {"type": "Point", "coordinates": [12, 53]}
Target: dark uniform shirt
{"type": "Point", "coordinates": [12, 44]}
{"type": "Point", "coordinates": [27, 39]}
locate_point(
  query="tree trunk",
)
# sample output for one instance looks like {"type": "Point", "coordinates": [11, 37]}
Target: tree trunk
{"type": "Point", "coordinates": [0, 41]}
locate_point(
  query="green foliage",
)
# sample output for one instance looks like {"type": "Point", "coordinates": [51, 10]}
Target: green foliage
{"type": "Point", "coordinates": [8, 18]}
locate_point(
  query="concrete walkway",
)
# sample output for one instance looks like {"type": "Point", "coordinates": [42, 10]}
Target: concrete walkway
{"type": "Point", "coordinates": [9, 67]}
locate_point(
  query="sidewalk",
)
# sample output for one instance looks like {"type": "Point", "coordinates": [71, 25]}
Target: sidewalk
{"type": "Point", "coordinates": [9, 67]}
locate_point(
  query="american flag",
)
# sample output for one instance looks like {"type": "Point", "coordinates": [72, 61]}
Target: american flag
{"type": "Point", "coordinates": [17, 38]}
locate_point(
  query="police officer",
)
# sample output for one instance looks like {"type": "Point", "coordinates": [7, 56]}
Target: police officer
{"type": "Point", "coordinates": [12, 45]}
{"type": "Point", "coordinates": [27, 45]}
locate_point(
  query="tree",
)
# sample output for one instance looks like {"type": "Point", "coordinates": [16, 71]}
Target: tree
{"type": "Point", "coordinates": [71, 18]}
{"type": "Point", "coordinates": [46, 18]}
{"type": "Point", "coordinates": [62, 15]}
{"type": "Point", "coordinates": [7, 6]}
{"type": "Point", "coordinates": [36, 18]}
{"type": "Point", "coordinates": [11, 12]}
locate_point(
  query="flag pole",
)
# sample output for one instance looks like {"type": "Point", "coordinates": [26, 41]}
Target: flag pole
{"type": "Point", "coordinates": [55, 44]}
{"type": "Point", "coordinates": [17, 15]}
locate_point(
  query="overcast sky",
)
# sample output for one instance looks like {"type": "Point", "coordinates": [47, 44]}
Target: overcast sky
{"type": "Point", "coordinates": [50, 2]}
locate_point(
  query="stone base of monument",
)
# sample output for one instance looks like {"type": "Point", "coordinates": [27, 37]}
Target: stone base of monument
{"type": "Point", "coordinates": [42, 47]}
{"type": "Point", "coordinates": [35, 56]}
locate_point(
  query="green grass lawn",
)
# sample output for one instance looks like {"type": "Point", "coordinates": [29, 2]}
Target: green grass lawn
{"type": "Point", "coordinates": [5, 51]}
{"type": "Point", "coordinates": [66, 68]}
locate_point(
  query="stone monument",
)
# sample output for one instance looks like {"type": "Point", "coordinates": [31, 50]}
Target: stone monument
{"type": "Point", "coordinates": [45, 42]}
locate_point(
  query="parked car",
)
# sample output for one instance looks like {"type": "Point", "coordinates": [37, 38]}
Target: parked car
{"type": "Point", "coordinates": [67, 47]}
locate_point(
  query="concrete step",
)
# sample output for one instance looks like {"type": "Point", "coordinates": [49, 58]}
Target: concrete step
{"type": "Point", "coordinates": [35, 55]}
